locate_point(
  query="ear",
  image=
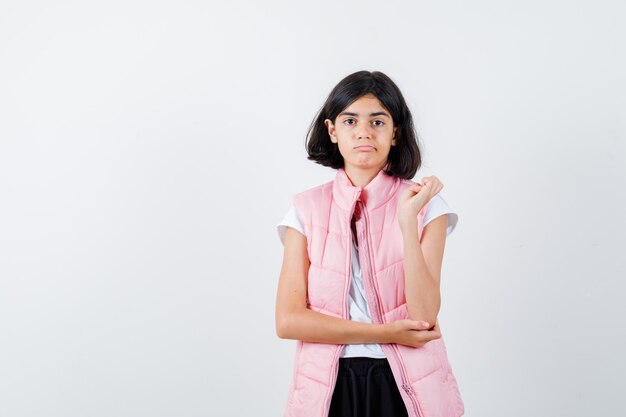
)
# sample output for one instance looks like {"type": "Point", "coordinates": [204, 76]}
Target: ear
{"type": "Point", "coordinates": [331, 130]}
{"type": "Point", "coordinates": [393, 140]}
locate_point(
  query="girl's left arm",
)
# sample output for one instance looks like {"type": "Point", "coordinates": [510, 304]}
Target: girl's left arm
{"type": "Point", "coordinates": [422, 268]}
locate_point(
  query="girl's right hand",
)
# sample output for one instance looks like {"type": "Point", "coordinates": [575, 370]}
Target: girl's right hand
{"type": "Point", "coordinates": [411, 333]}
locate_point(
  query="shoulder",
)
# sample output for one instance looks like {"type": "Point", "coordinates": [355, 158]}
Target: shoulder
{"type": "Point", "coordinates": [291, 219]}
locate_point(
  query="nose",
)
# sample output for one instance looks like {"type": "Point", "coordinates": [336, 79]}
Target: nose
{"type": "Point", "coordinates": [364, 131]}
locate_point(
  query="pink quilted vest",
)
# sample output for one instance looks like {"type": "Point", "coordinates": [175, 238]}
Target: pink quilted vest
{"type": "Point", "coordinates": [424, 375]}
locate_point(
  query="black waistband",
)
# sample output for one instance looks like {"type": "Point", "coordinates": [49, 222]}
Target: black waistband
{"type": "Point", "coordinates": [363, 366]}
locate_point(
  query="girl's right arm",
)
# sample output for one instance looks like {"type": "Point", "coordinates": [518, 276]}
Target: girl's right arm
{"type": "Point", "coordinates": [295, 321]}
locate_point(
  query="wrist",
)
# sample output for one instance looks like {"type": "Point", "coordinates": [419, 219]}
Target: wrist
{"type": "Point", "coordinates": [409, 227]}
{"type": "Point", "coordinates": [384, 333]}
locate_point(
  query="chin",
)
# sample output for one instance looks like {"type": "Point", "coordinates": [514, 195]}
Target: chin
{"type": "Point", "coordinates": [367, 164]}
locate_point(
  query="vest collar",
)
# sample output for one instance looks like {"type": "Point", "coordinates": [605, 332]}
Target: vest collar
{"type": "Point", "coordinates": [376, 193]}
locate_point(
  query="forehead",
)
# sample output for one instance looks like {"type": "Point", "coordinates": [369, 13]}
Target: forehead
{"type": "Point", "coordinates": [365, 105]}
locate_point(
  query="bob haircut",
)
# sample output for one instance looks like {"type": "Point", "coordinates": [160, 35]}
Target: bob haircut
{"type": "Point", "coordinates": [405, 157]}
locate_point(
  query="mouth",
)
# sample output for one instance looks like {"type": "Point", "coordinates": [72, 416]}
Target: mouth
{"type": "Point", "coordinates": [364, 148]}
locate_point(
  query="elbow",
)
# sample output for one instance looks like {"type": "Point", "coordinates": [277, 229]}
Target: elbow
{"type": "Point", "coordinates": [431, 320]}
{"type": "Point", "coordinates": [288, 324]}
{"type": "Point", "coordinates": [429, 317]}
{"type": "Point", "coordinates": [289, 321]}
{"type": "Point", "coordinates": [283, 326]}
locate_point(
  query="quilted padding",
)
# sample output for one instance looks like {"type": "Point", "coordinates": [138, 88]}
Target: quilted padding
{"type": "Point", "coordinates": [424, 375]}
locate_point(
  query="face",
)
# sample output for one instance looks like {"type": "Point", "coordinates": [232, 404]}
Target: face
{"type": "Point", "coordinates": [364, 132]}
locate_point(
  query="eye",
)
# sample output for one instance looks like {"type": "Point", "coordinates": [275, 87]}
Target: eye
{"type": "Point", "coordinates": [379, 121]}
{"type": "Point", "coordinates": [348, 120]}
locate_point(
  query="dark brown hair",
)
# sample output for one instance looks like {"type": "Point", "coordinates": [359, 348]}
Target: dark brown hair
{"type": "Point", "coordinates": [405, 157]}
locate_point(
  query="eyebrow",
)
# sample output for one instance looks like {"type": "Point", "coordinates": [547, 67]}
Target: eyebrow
{"type": "Point", "coordinates": [377, 113]}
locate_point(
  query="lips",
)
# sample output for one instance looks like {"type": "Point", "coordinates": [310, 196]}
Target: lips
{"type": "Point", "coordinates": [364, 148]}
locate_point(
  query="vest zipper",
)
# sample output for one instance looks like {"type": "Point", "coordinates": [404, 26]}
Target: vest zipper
{"type": "Point", "coordinates": [335, 369]}
{"type": "Point", "coordinates": [406, 386]}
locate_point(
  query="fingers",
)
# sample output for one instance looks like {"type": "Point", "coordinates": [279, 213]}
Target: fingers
{"type": "Point", "coordinates": [420, 338]}
{"type": "Point", "coordinates": [416, 333]}
{"type": "Point", "coordinates": [418, 325]}
{"type": "Point", "coordinates": [430, 335]}
{"type": "Point", "coordinates": [432, 184]}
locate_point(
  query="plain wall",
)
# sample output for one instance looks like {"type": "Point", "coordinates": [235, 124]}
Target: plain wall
{"type": "Point", "coordinates": [148, 149]}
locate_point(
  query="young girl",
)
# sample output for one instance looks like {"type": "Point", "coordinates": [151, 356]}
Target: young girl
{"type": "Point", "coordinates": [360, 279]}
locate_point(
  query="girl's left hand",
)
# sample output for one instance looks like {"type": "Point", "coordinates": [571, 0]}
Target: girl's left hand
{"type": "Point", "coordinates": [414, 198]}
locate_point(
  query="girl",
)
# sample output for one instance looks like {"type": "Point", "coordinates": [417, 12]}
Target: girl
{"type": "Point", "coordinates": [359, 284]}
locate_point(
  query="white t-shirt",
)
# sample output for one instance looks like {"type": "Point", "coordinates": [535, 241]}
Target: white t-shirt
{"type": "Point", "coordinates": [359, 310]}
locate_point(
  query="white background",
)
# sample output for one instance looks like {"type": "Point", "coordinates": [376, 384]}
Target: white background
{"type": "Point", "coordinates": [148, 148]}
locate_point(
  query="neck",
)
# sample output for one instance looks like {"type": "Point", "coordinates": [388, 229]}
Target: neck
{"type": "Point", "coordinates": [360, 177]}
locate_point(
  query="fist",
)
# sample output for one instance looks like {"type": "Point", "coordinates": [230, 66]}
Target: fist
{"type": "Point", "coordinates": [415, 197]}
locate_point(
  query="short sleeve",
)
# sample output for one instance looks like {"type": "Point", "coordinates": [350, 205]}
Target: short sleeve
{"type": "Point", "coordinates": [438, 206]}
{"type": "Point", "coordinates": [291, 219]}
